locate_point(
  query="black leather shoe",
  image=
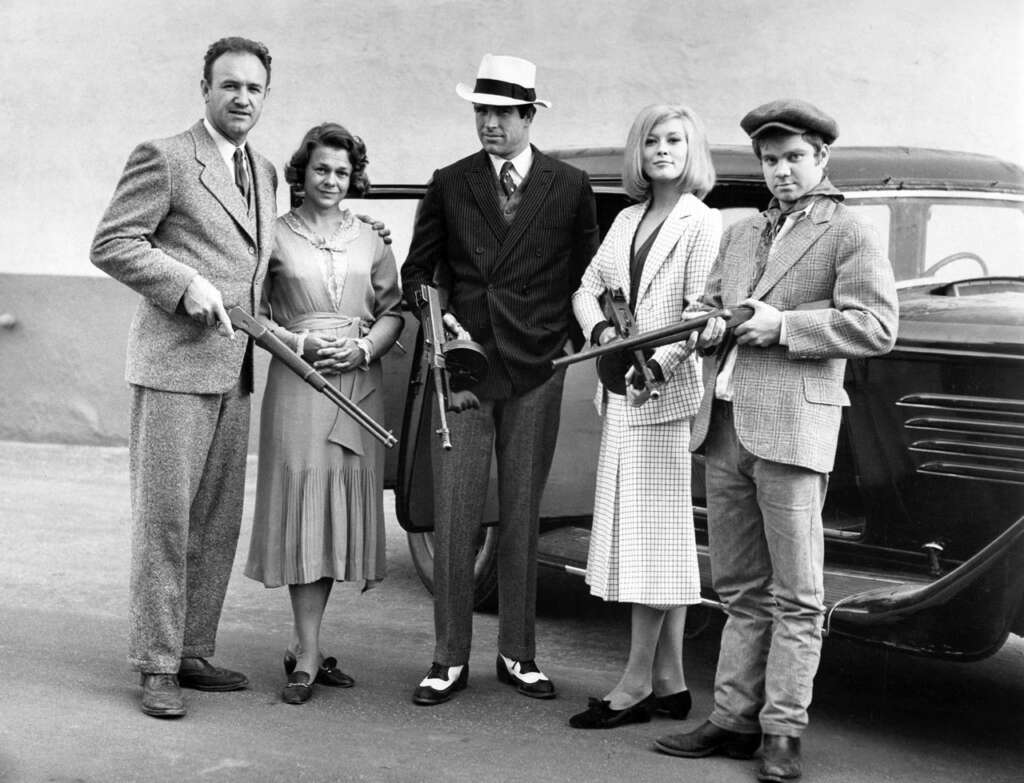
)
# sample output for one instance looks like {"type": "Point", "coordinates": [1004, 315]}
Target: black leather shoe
{"type": "Point", "coordinates": [161, 696]}
{"type": "Point", "coordinates": [201, 675]}
{"type": "Point", "coordinates": [599, 715]}
{"type": "Point", "coordinates": [525, 676]}
{"type": "Point", "coordinates": [328, 673]}
{"type": "Point", "coordinates": [780, 759]}
{"type": "Point", "coordinates": [298, 690]}
{"type": "Point", "coordinates": [709, 740]}
{"type": "Point", "coordinates": [675, 705]}
{"type": "Point", "coordinates": [440, 684]}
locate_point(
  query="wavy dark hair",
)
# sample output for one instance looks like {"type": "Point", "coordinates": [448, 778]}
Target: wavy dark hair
{"type": "Point", "coordinates": [335, 136]}
{"type": "Point", "coordinates": [235, 44]}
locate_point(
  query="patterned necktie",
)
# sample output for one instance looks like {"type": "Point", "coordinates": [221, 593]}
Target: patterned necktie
{"type": "Point", "coordinates": [241, 175]}
{"type": "Point", "coordinates": [507, 183]}
{"type": "Point", "coordinates": [764, 247]}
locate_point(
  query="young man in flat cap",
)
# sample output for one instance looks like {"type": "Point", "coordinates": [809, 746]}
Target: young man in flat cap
{"type": "Point", "coordinates": [822, 291]}
{"type": "Point", "coordinates": [510, 232]}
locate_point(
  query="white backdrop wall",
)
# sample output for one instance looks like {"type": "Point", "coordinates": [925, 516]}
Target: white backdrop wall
{"type": "Point", "coordinates": [84, 80]}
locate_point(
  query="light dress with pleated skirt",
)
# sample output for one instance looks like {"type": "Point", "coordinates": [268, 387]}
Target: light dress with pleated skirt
{"type": "Point", "coordinates": [319, 492]}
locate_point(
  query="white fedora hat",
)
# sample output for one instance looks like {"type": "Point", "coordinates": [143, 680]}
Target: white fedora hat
{"type": "Point", "coordinates": [503, 81]}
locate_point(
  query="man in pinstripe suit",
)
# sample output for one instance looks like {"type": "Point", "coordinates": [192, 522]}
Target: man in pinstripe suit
{"type": "Point", "coordinates": [509, 231]}
{"type": "Point", "coordinates": [822, 291]}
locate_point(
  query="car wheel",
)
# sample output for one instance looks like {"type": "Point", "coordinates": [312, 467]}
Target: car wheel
{"type": "Point", "coordinates": [485, 565]}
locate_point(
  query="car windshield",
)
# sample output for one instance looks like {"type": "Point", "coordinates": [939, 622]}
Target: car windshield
{"type": "Point", "coordinates": [946, 238]}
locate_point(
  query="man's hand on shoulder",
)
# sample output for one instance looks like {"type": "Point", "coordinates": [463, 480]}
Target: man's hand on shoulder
{"type": "Point", "coordinates": [378, 226]}
{"type": "Point", "coordinates": [202, 301]}
{"type": "Point", "coordinates": [764, 327]}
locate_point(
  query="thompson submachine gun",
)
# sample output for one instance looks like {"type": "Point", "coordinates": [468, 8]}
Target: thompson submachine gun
{"type": "Point", "coordinates": [624, 349]}
{"type": "Point", "coordinates": [272, 343]}
{"type": "Point", "coordinates": [458, 361]}
{"type": "Point", "coordinates": [612, 367]}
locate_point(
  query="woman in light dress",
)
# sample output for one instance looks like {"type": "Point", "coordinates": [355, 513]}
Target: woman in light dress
{"type": "Point", "coordinates": [332, 294]}
{"type": "Point", "coordinates": [642, 550]}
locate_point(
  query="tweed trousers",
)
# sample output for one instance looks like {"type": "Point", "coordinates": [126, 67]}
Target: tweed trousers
{"type": "Point", "coordinates": [521, 432]}
{"type": "Point", "coordinates": [767, 564]}
{"type": "Point", "coordinates": [187, 471]}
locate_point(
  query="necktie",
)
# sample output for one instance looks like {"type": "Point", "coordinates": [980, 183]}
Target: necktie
{"type": "Point", "coordinates": [507, 183]}
{"type": "Point", "coordinates": [241, 175]}
{"type": "Point", "coordinates": [771, 231]}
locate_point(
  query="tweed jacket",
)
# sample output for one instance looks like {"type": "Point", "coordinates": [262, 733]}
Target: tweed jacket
{"type": "Point", "coordinates": [175, 214]}
{"type": "Point", "coordinates": [509, 285]}
{"type": "Point", "coordinates": [832, 281]}
{"type": "Point", "coordinates": [673, 279]}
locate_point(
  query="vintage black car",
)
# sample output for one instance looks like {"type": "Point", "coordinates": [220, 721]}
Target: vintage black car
{"type": "Point", "coordinates": [925, 510]}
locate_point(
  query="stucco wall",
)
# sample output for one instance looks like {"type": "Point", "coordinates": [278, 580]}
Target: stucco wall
{"type": "Point", "coordinates": [85, 81]}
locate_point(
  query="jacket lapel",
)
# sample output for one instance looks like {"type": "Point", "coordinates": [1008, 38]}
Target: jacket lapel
{"type": "Point", "coordinates": [214, 176]}
{"type": "Point", "coordinates": [794, 244]}
{"type": "Point", "coordinates": [668, 237]}
{"type": "Point", "coordinates": [479, 179]}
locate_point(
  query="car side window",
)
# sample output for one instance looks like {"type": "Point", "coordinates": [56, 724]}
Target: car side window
{"type": "Point", "coordinates": [968, 240]}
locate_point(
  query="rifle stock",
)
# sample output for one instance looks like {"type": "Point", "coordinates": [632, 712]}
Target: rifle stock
{"type": "Point", "coordinates": [271, 343]}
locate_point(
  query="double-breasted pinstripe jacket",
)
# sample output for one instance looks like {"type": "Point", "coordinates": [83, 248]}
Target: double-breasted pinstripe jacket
{"type": "Point", "coordinates": [509, 285]}
{"type": "Point", "coordinates": [175, 214]}
{"type": "Point", "coordinates": [672, 282]}
{"type": "Point", "coordinates": [788, 399]}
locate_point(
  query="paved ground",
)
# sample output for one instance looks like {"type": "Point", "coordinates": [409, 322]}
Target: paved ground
{"type": "Point", "coordinates": [68, 703]}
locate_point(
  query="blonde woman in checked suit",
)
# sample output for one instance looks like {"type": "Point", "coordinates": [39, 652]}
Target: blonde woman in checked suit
{"type": "Point", "coordinates": [642, 548]}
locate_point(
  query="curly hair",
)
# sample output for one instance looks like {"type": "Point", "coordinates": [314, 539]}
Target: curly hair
{"type": "Point", "coordinates": [698, 175]}
{"type": "Point", "coordinates": [235, 44]}
{"type": "Point", "coordinates": [335, 136]}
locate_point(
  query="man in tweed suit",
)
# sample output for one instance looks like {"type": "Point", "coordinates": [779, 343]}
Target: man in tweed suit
{"type": "Point", "coordinates": [822, 291]}
{"type": "Point", "coordinates": [190, 228]}
{"type": "Point", "coordinates": [509, 231]}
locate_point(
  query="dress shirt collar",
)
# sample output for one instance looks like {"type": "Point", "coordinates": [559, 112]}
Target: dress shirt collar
{"type": "Point", "coordinates": [520, 164]}
{"type": "Point", "coordinates": [225, 146]}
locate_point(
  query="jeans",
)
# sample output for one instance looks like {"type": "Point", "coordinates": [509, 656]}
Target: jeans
{"type": "Point", "coordinates": [767, 556]}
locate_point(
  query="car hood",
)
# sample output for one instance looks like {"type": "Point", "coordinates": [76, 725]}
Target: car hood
{"type": "Point", "coordinates": [984, 315]}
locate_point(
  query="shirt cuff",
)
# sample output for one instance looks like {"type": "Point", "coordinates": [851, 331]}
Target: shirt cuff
{"type": "Point", "coordinates": [367, 348]}
{"type": "Point", "coordinates": [783, 336]}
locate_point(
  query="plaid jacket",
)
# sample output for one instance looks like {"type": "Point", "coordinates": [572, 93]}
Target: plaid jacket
{"type": "Point", "coordinates": [674, 274]}
{"type": "Point", "coordinates": [788, 399]}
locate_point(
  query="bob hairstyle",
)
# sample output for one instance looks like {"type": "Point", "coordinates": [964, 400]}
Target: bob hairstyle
{"type": "Point", "coordinates": [698, 175]}
{"type": "Point", "coordinates": [335, 136]}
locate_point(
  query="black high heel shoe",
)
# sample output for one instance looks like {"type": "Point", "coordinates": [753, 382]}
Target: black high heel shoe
{"type": "Point", "coordinates": [599, 715]}
{"type": "Point", "coordinates": [675, 705]}
{"type": "Point", "coordinates": [328, 674]}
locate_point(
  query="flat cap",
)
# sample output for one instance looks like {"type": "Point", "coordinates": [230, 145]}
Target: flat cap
{"type": "Point", "coordinates": [791, 115]}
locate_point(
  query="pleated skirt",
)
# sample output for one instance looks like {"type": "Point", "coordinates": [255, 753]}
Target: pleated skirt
{"type": "Point", "coordinates": [319, 506]}
{"type": "Point", "coordinates": [642, 546]}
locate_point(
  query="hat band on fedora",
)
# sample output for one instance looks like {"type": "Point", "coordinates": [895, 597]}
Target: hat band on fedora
{"type": "Point", "coordinates": [505, 89]}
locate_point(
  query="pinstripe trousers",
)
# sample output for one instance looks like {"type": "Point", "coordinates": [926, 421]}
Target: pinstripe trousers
{"type": "Point", "coordinates": [521, 431]}
{"type": "Point", "coordinates": [187, 472]}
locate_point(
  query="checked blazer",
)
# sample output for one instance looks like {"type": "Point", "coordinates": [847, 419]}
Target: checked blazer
{"type": "Point", "coordinates": [673, 279]}
{"type": "Point", "coordinates": [510, 285]}
{"type": "Point", "coordinates": [175, 214]}
{"type": "Point", "coordinates": [833, 283]}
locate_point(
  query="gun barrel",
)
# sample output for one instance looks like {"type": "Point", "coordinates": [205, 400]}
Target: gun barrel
{"type": "Point", "coordinates": [272, 344]}
{"type": "Point", "coordinates": [657, 337]}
